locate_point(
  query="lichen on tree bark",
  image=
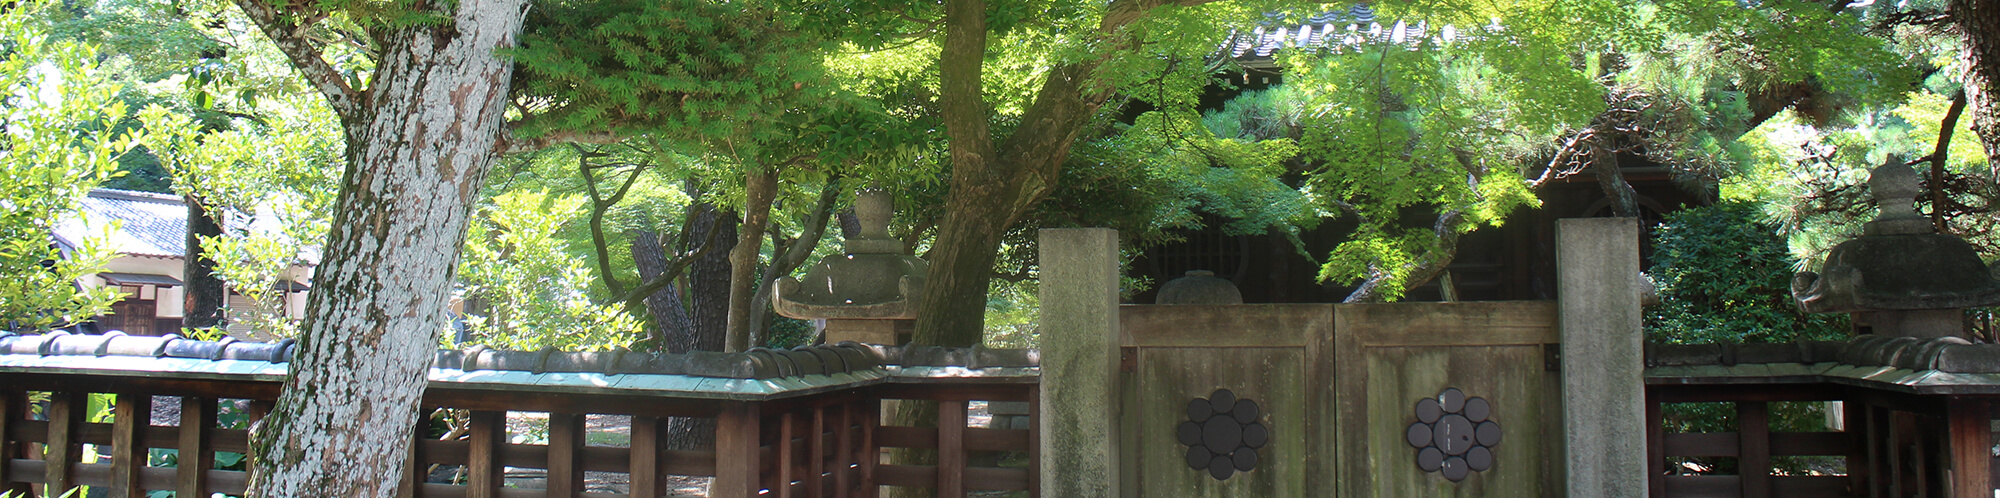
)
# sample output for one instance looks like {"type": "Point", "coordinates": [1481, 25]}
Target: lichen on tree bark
{"type": "Point", "coordinates": [417, 152]}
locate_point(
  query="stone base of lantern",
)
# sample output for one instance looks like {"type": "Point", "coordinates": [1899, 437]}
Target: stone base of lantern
{"type": "Point", "coordinates": [887, 332]}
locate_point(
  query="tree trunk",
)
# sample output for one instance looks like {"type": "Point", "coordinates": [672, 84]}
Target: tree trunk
{"type": "Point", "coordinates": [992, 186]}
{"type": "Point", "coordinates": [1624, 200]}
{"type": "Point", "coordinates": [759, 189]}
{"type": "Point", "coordinates": [1979, 31]}
{"type": "Point", "coordinates": [707, 284]}
{"type": "Point", "coordinates": [204, 295]}
{"type": "Point", "coordinates": [952, 312]}
{"type": "Point", "coordinates": [416, 156]}
{"type": "Point", "coordinates": [708, 305]}
{"type": "Point", "coordinates": [669, 315]}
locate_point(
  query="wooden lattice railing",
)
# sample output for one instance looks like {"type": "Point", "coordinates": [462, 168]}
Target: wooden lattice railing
{"type": "Point", "coordinates": [1753, 444]}
{"type": "Point", "coordinates": [819, 435]}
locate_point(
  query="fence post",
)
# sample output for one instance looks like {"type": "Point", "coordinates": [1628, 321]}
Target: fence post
{"type": "Point", "coordinates": [737, 444]}
{"type": "Point", "coordinates": [1604, 392]}
{"type": "Point", "coordinates": [132, 417]}
{"type": "Point", "coordinates": [1079, 392]}
{"type": "Point", "coordinates": [65, 416]}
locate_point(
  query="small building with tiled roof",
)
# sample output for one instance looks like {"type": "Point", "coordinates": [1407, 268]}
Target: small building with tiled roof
{"type": "Point", "coordinates": [147, 233]}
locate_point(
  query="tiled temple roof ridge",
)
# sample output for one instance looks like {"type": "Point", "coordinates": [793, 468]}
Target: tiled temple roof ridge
{"type": "Point", "coordinates": [1330, 30]}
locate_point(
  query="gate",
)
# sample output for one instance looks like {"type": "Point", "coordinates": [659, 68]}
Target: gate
{"type": "Point", "coordinates": [1338, 389]}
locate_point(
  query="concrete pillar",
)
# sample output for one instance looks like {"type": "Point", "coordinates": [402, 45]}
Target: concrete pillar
{"type": "Point", "coordinates": [1603, 357]}
{"type": "Point", "coordinates": [1079, 410]}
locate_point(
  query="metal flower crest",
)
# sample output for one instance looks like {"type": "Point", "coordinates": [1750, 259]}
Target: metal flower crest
{"type": "Point", "coordinates": [1454, 434]}
{"type": "Point", "coordinates": [1222, 434]}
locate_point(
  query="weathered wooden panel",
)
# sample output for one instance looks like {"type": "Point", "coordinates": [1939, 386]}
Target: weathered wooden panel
{"type": "Point", "coordinates": [1170, 377]}
{"type": "Point", "coordinates": [1385, 357]}
{"type": "Point", "coordinates": [1235, 325]}
{"type": "Point", "coordinates": [1451, 324]}
{"type": "Point", "coordinates": [1524, 402]}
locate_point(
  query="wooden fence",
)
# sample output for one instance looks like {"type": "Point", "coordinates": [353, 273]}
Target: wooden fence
{"type": "Point", "coordinates": [1753, 444]}
{"type": "Point", "coordinates": [825, 444]}
{"type": "Point", "coordinates": [1892, 444]}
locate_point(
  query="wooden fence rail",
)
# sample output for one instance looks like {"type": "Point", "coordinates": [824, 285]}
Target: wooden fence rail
{"type": "Point", "coordinates": [1890, 445]}
{"type": "Point", "coordinates": [824, 444]}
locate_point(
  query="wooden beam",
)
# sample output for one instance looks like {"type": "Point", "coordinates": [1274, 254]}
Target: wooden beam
{"type": "Point", "coordinates": [12, 406]}
{"type": "Point", "coordinates": [1971, 440]}
{"type": "Point", "coordinates": [843, 448]}
{"type": "Point", "coordinates": [195, 454]}
{"type": "Point", "coordinates": [483, 470]}
{"type": "Point", "coordinates": [565, 464]}
{"type": "Point", "coordinates": [1656, 448]}
{"type": "Point", "coordinates": [1451, 324]}
{"type": "Point", "coordinates": [1753, 461]}
{"type": "Point", "coordinates": [645, 468]}
{"type": "Point", "coordinates": [1859, 467]}
{"type": "Point", "coordinates": [785, 457]}
{"type": "Point", "coordinates": [736, 450]}
{"type": "Point", "coordinates": [65, 413]}
{"type": "Point", "coordinates": [1248, 325]}
{"type": "Point", "coordinates": [1035, 442]}
{"type": "Point", "coordinates": [951, 449]}
{"type": "Point", "coordinates": [131, 418]}
{"type": "Point", "coordinates": [816, 454]}
{"type": "Point", "coordinates": [871, 454]}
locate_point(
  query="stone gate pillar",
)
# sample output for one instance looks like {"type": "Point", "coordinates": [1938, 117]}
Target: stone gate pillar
{"type": "Point", "coordinates": [1079, 393]}
{"type": "Point", "coordinates": [1603, 357]}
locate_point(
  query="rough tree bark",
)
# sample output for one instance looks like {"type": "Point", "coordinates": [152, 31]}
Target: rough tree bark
{"type": "Point", "coordinates": [707, 285]}
{"type": "Point", "coordinates": [1978, 23]}
{"type": "Point", "coordinates": [1611, 179]}
{"type": "Point", "coordinates": [419, 144]}
{"type": "Point", "coordinates": [665, 308]}
{"type": "Point", "coordinates": [708, 311]}
{"type": "Point", "coordinates": [759, 189]}
{"type": "Point", "coordinates": [203, 297]}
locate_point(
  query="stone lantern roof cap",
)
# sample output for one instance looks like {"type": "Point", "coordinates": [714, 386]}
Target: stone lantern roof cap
{"type": "Point", "coordinates": [1898, 264]}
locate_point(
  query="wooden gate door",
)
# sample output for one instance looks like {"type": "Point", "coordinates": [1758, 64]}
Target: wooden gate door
{"type": "Point", "coordinates": [1389, 359]}
{"type": "Point", "coordinates": [1174, 355]}
{"type": "Point", "coordinates": [1335, 390]}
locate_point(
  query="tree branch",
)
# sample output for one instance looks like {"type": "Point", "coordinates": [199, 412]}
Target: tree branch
{"type": "Point", "coordinates": [794, 254]}
{"type": "Point", "coordinates": [348, 103]}
{"type": "Point", "coordinates": [510, 143]}
{"type": "Point", "coordinates": [598, 207]}
{"type": "Point", "coordinates": [1937, 159]}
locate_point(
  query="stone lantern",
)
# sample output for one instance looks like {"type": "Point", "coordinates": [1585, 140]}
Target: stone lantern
{"type": "Point", "coordinates": [1899, 278]}
{"type": "Point", "coordinates": [867, 294]}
